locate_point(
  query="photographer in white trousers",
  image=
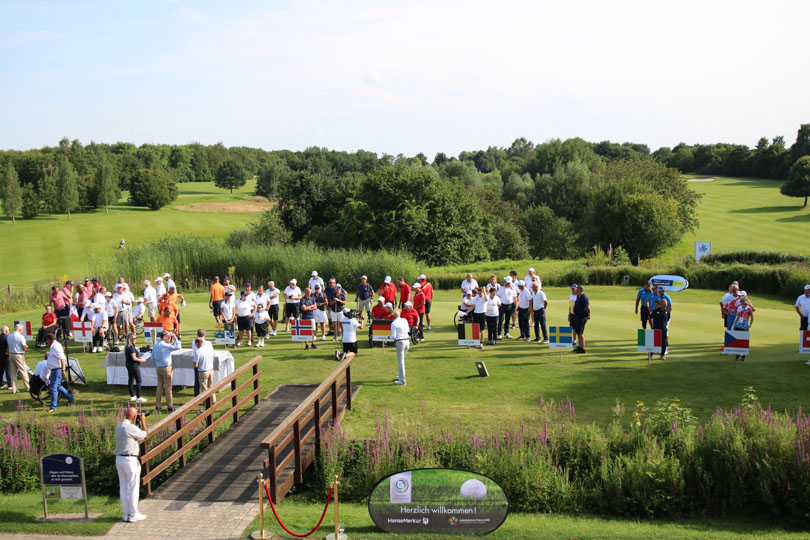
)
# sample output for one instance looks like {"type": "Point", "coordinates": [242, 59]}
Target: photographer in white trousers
{"type": "Point", "coordinates": [127, 437]}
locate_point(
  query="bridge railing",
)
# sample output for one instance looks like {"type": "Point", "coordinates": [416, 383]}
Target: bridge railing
{"type": "Point", "coordinates": [202, 424]}
{"type": "Point", "coordinates": [290, 429]}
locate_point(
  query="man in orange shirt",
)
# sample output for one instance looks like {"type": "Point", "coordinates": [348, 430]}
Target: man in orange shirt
{"type": "Point", "coordinates": [427, 290]}
{"type": "Point", "coordinates": [168, 320]}
{"type": "Point", "coordinates": [215, 302]}
{"type": "Point", "coordinates": [170, 300]}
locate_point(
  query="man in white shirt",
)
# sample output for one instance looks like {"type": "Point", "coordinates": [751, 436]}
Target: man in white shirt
{"type": "Point", "coordinates": [250, 293]}
{"type": "Point", "coordinates": [150, 300]}
{"type": "Point", "coordinates": [272, 306]}
{"type": "Point", "coordinates": [57, 363]}
{"type": "Point", "coordinates": [127, 437]}
{"type": "Point", "coordinates": [531, 277]}
{"type": "Point", "coordinates": [728, 298]}
{"type": "Point", "coordinates": [160, 288]}
{"type": "Point", "coordinates": [100, 322]}
{"type": "Point", "coordinates": [204, 364]}
{"type": "Point", "coordinates": [100, 299]}
{"type": "Point", "coordinates": [112, 313]}
{"type": "Point", "coordinates": [137, 311]}
{"type": "Point", "coordinates": [292, 299]}
{"type": "Point", "coordinates": [400, 334]}
{"type": "Point", "coordinates": [42, 371]}
{"type": "Point", "coordinates": [350, 326]}
{"type": "Point", "coordinates": [524, 303]}
{"type": "Point", "coordinates": [508, 295]}
{"type": "Point", "coordinates": [539, 302]}
{"type": "Point", "coordinates": [803, 308]}
{"type": "Point", "coordinates": [169, 281]}
{"type": "Point", "coordinates": [315, 280]}
{"type": "Point", "coordinates": [468, 285]}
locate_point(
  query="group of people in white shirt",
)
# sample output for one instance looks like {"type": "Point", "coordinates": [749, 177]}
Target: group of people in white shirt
{"type": "Point", "coordinates": [496, 306]}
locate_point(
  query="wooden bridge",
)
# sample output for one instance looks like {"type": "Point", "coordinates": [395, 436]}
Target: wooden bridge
{"type": "Point", "coordinates": [279, 437]}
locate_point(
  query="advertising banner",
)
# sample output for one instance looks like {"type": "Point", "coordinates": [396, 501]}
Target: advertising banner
{"type": "Point", "coordinates": [438, 501]}
{"type": "Point", "coordinates": [702, 249]}
{"type": "Point", "coordinates": [670, 283]}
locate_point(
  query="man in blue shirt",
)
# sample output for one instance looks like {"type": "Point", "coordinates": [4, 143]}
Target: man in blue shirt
{"type": "Point", "coordinates": [162, 357]}
{"type": "Point", "coordinates": [581, 315]}
{"type": "Point", "coordinates": [308, 307]}
{"type": "Point", "coordinates": [645, 297]}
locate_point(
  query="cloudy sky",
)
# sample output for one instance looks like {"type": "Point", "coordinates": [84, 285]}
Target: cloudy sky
{"type": "Point", "coordinates": [402, 77]}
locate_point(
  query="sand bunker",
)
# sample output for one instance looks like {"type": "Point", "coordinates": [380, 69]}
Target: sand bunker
{"type": "Point", "coordinates": [258, 204]}
{"type": "Point", "coordinates": [700, 180]}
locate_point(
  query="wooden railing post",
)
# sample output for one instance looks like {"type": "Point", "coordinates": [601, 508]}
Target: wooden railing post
{"type": "Point", "coordinates": [256, 383]}
{"type": "Point", "coordinates": [178, 425]}
{"type": "Point", "coordinates": [145, 468]}
{"type": "Point", "coordinates": [348, 388]}
{"type": "Point", "coordinates": [317, 406]}
{"type": "Point", "coordinates": [334, 401]}
{"type": "Point", "coordinates": [271, 472]}
{"type": "Point", "coordinates": [209, 419]}
{"type": "Point", "coordinates": [233, 402]}
{"type": "Point", "coordinates": [299, 471]}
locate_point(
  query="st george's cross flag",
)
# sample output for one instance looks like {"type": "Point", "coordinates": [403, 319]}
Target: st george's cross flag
{"type": "Point", "coordinates": [649, 341]}
{"type": "Point", "coordinates": [303, 330]}
{"type": "Point", "coordinates": [82, 331]}
{"type": "Point", "coordinates": [561, 337]}
{"type": "Point", "coordinates": [381, 330]}
{"type": "Point", "coordinates": [804, 342]}
{"type": "Point", "coordinates": [224, 334]}
{"type": "Point", "coordinates": [152, 332]}
{"type": "Point", "coordinates": [26, 326]}
{"type": "Point", "coordinates": [469, 335]}
{"type": "Point", "coordinates": [736, 342]}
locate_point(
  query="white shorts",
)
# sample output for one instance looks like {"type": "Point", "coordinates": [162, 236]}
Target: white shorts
{"type": "Point", "coordinates": [320, 316]}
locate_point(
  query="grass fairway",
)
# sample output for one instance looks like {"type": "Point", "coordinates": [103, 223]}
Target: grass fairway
{"type": "Point", "coordinates": [745, 214]}
{"type": "Point", "coordinates": [19, 513]}
{"type": "Point", "coordinates": [444, 390]}
{"type": "Point", "coordinates": [53, 246]}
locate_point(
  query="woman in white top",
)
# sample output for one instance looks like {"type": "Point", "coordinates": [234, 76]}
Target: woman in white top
{"type": "Point", "coordinates": [261, 321]}
{"type": "Point", "coordinates": [492, 308]}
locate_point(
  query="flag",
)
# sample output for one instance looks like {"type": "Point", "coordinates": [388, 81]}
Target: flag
{"type": "Point", "coordinates": [649, 341]}
{"type": "Point", "coordinates": [224, 334]}
{"type": "Point", "coordinates": [26, 325]}
{"type": "Point", "coordinates": [83, 332]}
{"type": "Point", "coordinates": [736, 342]}
{"type": "Point", "coordinates": [469, 335]}
{"type": "Point", "coordinates": [804, 342]}
{"type": "Point", "coordinates": [380, 330]}
{"type": "Point", "coordinates": [152, 332]}
{"type": "Point", "coordinates": [303, 330]}
{"type": "Point", "coordinates": [561, 337]}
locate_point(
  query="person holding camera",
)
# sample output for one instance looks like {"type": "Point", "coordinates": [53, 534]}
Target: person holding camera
{"type": "Point", "coordinates": [350, 325]}
{"type": "Point", "coordinates": [127, 437]}
{"type": "Point", "coordinates": [162, 357]}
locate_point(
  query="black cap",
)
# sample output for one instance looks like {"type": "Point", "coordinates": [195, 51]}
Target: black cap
{"type": "Point", "coordinates": [243, 293]}
{"type": "Point", "coordinates": [574, 285]}
{"type": "Point", "coordinates": [94, 279]}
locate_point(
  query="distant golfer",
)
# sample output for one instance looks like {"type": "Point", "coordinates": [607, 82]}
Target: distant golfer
{"type": "Point", "coordinates": [644, 297]}
{"type": "Point", "coordinates": [580, 316]}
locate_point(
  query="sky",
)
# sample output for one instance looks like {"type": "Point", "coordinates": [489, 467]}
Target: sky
{"type": "Point", "coordinates": [401, 77]}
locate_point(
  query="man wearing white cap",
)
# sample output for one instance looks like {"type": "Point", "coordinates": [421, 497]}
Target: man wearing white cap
{"type": "Point", "coordinates": [524, 304]}
{"type": "Point", "coordinates": [169, 282]}
{"type": "Point", "coordinates": [292, 299]}
{"type": "Point", "coordinates": [150, 299]}
{"type": "Point", "coordinates": [508, 295]}
{"type": "Point", "coordinates": [388, 290]}
{"type": "Point", "coordinates": [364, 296]}
{"type": "Point", "coordinates": [137, 311]}
{"type": "Point", "coordinates": [427, 289]}
{"type": "Point", "coordinates": [531, 277]}
{"type": "Point", "coordinates": [803, 309]}
{"type": "Point", "coordinates": [315, 280]}
{"type": "Point", "coordinates": [160, 287]}
{"type": "Point", "coordinates": [100, 326]}
{"type": "Point", "coordinates": [379, 311]}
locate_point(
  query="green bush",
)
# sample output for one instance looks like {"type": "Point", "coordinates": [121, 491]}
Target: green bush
{"type": "Point", "coordinates": [753, 257]}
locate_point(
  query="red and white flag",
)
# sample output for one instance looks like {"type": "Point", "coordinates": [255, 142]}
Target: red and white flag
{"type": "Point", "coordinates": [29, 335]}
{"type": "Point", "coordinates": [804, 342]}
{"type": "Point", "coordinates": [83, 332]}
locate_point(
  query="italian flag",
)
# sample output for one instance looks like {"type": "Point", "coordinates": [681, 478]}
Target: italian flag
{"type": "Point", "coordinates": [649, 341]}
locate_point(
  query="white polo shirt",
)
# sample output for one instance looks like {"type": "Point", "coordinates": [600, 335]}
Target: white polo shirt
{"type": "Point", "coordinates": [55, 356]}
{"type": "Point", "coordinates": [492, 306]}
{"type": "Point", "coordinates": [538, 300]}
{"type": "Point", "coordinates": [507, 295]}
{"type": "Point", "coordinates": [468, 286]}
{"type": "Point", "coordinates": [528, 280]}
{"type": "Point", "coordinates": [803, 303]}
{"type": "Point", "coordinates": [524, 298]}
{"type": "Point", "coordinates": [292, 291]}
{"type": "Point", "coordinates": [480, 304]}
{"type": "Point", "coordinates": [150, 295]}
{"type": "Point", "coordinates": [315, 281]}
{"type": "Point", "coordinates": [400, 331]}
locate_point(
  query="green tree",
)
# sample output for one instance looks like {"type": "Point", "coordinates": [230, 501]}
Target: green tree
{"type": "Point", "coordinates": [48, 191]}
{"type": "Point", "coordinates": [230, 174]}
{"type": "Point", "coordinates": [802, 145]}
{"type": "Point", "coordinates": [11, 192]}
{"type": "Point", "coordinates": [508, 242]}
{"type": "Point", "coordinates": [519, 188]}
{"type": "Point", "coordinates": [154, 189]}
{"type": "Point", "coordinates": [267, 230]}
{"type": "Point", "coordinates": [30, 202]}
{"type": "Point", "coordinates": [106, 184]}
{"type": "Point", "coordinates": [549, 235]}
{"type": "Point", "coordinates": [798, 182]}
{"type": "Point", "coordinates": [67, 186]}
{"type": "Point", "coordinates": [271, 176]}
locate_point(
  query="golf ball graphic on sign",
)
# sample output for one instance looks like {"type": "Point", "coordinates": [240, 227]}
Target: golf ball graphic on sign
{"type": "Point", "coordinates": [473, 488]}
{"type": "Point", "coordinates": [400, 491]}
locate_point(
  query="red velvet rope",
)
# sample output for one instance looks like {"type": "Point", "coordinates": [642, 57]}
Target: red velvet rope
{"type": "Point", "coordinates": [328, 498]}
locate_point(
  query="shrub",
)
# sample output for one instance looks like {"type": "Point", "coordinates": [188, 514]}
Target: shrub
{"type": "Point", "coordinates": [152, 188]}
{"type": "Point", "coordinates": [753, 257]}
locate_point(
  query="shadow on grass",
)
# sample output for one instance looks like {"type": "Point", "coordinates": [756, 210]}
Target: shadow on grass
{"type": "Point", "coordinates": [763, 210]}
{"type": "Point", "coordinates": [801, 218]}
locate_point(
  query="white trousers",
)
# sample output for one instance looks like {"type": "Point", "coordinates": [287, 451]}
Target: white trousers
{"type": "Point", "coordinates": [402, 350]}
{"type": "Point", "coordinates": [129, 478]}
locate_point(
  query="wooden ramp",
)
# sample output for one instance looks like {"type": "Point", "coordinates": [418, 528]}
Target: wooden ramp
{"type": "Point", "coordinates": [226, 470]}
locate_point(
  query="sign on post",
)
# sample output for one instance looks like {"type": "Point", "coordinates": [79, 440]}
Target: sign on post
{"type": "Point", "coordinates": [561, 337]}
{"type": "Point", "coordinates": [66, 473]}
{"type": "Point", "coordinates": [438, 501]}
{"type": "Point", "coordinates": [224, 334]}
{"type": "Point", "coordinates": [82, 331]}
{"type": "Point", "coordinates": [469, 335]}
{"type": "Point", "coordinates": [381, 330]}
{"type": "Point", "coordinates": [152, 332]}
{"type": "Point", "coordinates": [303, 330]}
{"type": "Point", "coordinates": [736, 342]}
{"type": "Point", "coordinates": [804, 342]}
{"type": "Point", "coordinates": [650, 341]}
{"type": "Point", "coordinates": [26, 326]}
{"type": "Point", "coordinates": [702, 249]}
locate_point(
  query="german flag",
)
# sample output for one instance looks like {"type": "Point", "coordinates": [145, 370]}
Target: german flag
{"type": "Point", "coordinates": [380, 330]}
{"type": "Point", "coordinates": [469, 334]}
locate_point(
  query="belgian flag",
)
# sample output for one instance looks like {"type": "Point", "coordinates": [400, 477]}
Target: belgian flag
{"type": "Point", "coordinates": [469, 332]}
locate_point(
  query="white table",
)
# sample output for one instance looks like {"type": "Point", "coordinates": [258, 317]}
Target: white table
{"type": "Point", "coordinates": [182, 362]}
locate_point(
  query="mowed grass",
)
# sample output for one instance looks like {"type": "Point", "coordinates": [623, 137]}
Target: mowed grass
{"type": "Point", "coordinates": [745, 214]}
{"type": "Point", "coordinates": [51, 247]}
{"type": "Point", "coordinates": [19, 513]}
{"type": "Point", "coordinates": [445, 392]}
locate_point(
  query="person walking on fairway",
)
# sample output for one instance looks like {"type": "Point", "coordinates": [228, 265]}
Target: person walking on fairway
{"type": "Point", "coordinates": [581, 315]}
{"type": "Point", "coordinates": [644, 297]}
{"type": "Point", "coordinates": [658, 321]}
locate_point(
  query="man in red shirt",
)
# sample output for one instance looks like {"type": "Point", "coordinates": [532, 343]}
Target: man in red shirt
{"type": "Point", "coordinates": [409, 314]}
{"type": "Point", "coordinates": [404, 292]}
{"type": "Point", "coordinates": [48, 324]}
{"type": "Point", "coordinates": [419, 305]}
{"type": "Point", "coordinates": [388, 290]}
{"type": "Point", "coordinates": [67, 290]}
{"type": "Point", "coordinates": [427, 290]}
{"type": "Point", "coordinates": [379, 311]}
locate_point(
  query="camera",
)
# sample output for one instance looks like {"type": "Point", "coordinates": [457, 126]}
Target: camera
{"type": "Point", "coordinates": [353, 314]}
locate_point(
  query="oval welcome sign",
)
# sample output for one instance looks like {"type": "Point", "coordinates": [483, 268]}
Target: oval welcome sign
{"type": "Point", "coordinates": [439, 501]}
{"type": "Point", "coordinates": [670, 283]}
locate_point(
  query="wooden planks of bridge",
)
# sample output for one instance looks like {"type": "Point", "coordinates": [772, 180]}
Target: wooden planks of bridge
{"type": "Point", "coordinates": [226, 470]}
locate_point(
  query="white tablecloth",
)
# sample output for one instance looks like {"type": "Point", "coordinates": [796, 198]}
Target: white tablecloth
{"type": "Point", "coordinates": [182, 362]}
